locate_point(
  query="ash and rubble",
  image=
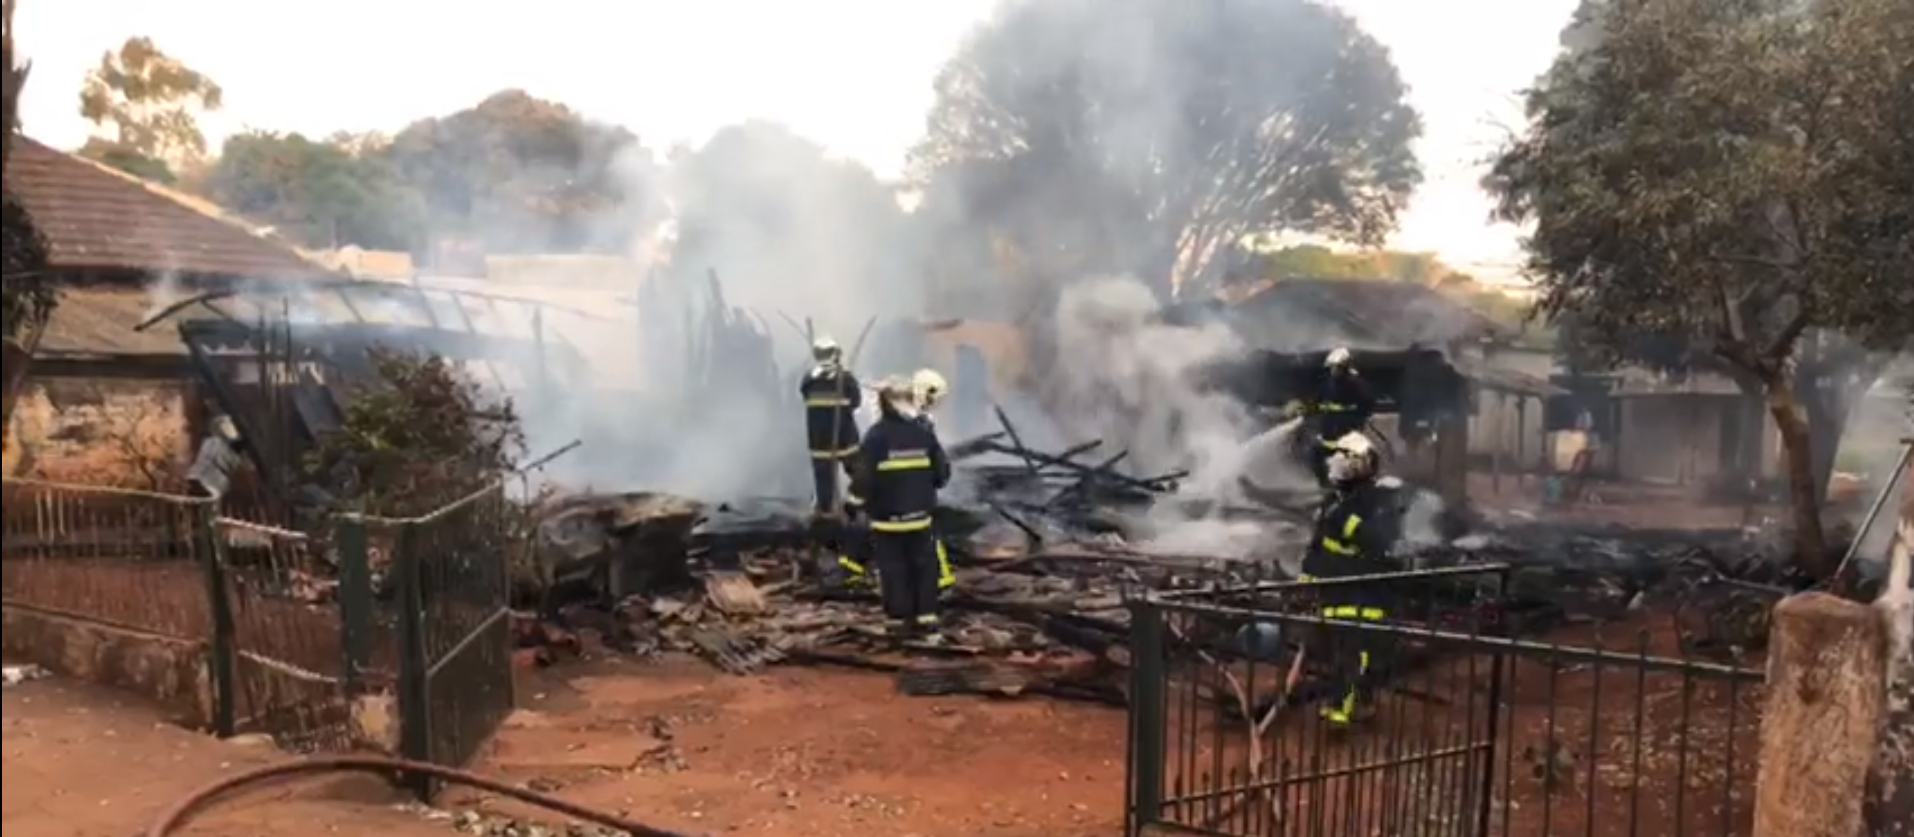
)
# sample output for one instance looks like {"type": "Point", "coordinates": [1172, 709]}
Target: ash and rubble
{"type": "Point", "coordinates": [1049, 552]}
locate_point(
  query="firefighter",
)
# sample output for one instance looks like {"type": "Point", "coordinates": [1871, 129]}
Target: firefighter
{"type": "Point", "coordinates": [902, 467]}
{"type": "Point", "coordinates": [928, 389]}
{"type": "Point", "coordinates": [831, 398]}
{"type": "Point", "coordinates": [1353, 537]}
{"type": "Point", "coordinates": [220, 454]}
{"type": "Point", "coordinates": [1343, 404]}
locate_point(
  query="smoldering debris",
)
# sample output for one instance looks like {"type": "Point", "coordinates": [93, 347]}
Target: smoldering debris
{"type": "Point", "coordinates": [742, 585]}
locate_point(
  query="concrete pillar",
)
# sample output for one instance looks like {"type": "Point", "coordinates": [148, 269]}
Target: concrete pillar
{"type": "Point", "coordinates": [1890, 800]}
{"type": "Point", "coordinates": [1826, 699]}
{"type": "Point", "coordinates": [1889, 809]}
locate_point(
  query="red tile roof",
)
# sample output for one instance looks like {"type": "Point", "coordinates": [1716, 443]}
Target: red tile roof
{"type": "Point", "coordinates": [95, 217]}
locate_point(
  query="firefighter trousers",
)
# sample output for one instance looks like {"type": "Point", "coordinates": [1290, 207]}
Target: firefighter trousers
{"type": "Point", "coordinates": [1355, 657]}
{"type": "Point", "coordinates": [824, 480]}
{"type": "Point", "coordinates": [907, 575]}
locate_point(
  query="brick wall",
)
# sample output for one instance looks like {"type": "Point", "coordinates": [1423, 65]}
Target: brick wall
{"type": "Point", "coordinates": [100, 431]}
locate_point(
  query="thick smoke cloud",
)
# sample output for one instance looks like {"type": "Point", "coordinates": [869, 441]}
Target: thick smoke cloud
{"type": "Point", "coordinates": [1170, 135]}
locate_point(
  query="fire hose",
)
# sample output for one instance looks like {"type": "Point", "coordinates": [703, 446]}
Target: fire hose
{"type": "Point", "coordinates": [171, 822]}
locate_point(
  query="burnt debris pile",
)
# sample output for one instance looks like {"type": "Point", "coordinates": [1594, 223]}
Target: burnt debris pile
{"type": "Point", "coordinates": [1034, 497]}
{"type": "Point", "coordinates": [740, 584]}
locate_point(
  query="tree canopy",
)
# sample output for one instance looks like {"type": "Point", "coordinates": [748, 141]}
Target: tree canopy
{"type": "Point", "coordinates": [1734, 176]}
{"type": "Point", "coordinates": [320, 193]}
{"type": "Point", "coordinates": [1151, 136]}
{"type": "Point", "coordinates": [513, 173]}
{"type": "Point", "coordinates": [149, 103]}
{"type": "Point", "coordinates": [525, 175]}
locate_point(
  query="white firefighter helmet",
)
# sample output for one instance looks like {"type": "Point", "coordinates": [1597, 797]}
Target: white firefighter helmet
{"type": "Point", "coordinates": [899, 396]}
{"type": "Point", "coordinates": [225, 429]}
{"type": "Point", "coordinates": [1352, 458]}
{"type": "Point", "coordinates": [825, 350]}
{"type": "Point", "coordinates": [1338, 358]}
{"type": "Point", "coordinates": [928, 388]}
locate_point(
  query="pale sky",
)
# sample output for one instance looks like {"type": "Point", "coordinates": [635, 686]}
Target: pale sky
{"type": "Point", "coordinates": [852, 74]}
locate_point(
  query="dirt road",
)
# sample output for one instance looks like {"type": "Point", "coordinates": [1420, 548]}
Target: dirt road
{"type": "Point", "coordinates": [83, 762]}
{"type": "Point", "coordinates": [802, 752]}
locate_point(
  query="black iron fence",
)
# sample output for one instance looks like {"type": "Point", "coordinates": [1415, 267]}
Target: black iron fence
{"type": "Point", "coordinates": [441, 586]}
{"type": "Point", "coordinates": [1406, 705]}
{"type": "Point", "coordinates": [301, 633]}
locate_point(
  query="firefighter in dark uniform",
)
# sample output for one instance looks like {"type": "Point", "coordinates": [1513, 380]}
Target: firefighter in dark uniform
{"type": "Point", "coordinates": [1343, 404]}
{"type": "Point", "coordinates": [1353, 537]}
{"type": "Point", "coordinates": [902, 467]}
{"type": "Point", "coordinates": [929, 388]}
{"type": "Point", "coordinates": [831, 398]}
{"type": "Point", "coordinates": [220, 455]}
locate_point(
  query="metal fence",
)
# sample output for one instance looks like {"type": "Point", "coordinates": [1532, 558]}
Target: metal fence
{"type": "Point", "coordinates": [1460, 728]}
{"type": "Point", "coordinates": [295, 626]}
{"type": "Point", "coordinates": [441, 583]}
{"type": "Point", "coordinates": [278, 585]}
{"type": "Point", "coordinates": [125, 558]}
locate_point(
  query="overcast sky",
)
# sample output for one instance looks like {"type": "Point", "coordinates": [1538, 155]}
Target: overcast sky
{"type": "Point", "coordinates": [853, 74]}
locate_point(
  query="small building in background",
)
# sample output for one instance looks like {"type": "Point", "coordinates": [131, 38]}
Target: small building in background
{"type": "Point", "coordinates": [103, 403]}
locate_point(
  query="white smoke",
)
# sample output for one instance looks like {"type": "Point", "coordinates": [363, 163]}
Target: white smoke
{"type": "Point", "coordinates": [1133, 381]}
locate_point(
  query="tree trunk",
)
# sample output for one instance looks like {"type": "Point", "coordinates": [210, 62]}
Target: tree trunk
{"type": "Point", "coordinates": [1797, 448]}
{"type": "Point", "coordinates": [1827, 413]}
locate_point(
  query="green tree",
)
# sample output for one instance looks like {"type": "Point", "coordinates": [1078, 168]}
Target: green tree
{"type": "Point", "coordinates": [517, 173]}
{"type": "Point", "coordinates": [1730, 179]}
{"type": "Point", "coordinates": [1152, 137]}
{"type": "Point", "coordinates": [1314, 261]}
{"type": "Point", "coordinates": [149, 102]}
{"type": "Point", "coordinates": [320, 194]}
{"type": "Point", "coordinates": [28, 295]}
{"type": "Point", "coordinates": [1306, 261]}
{"type": "Point", "coordinates": [124, 158]}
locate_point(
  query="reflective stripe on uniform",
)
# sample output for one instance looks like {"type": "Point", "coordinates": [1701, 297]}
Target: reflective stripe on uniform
{"type": "Point", "coordinates": [928, 619]}
{"type": "Point", "coordinates": [826, 402]}
{"type": "Point", "coordinates": [909, 463]}
{"type": "Point", "coordinates": [850, 565]}
{"type": "Point", "coordinates": [1353, 612]}
{"type": "Point", "coordinates": [1341, 545]}
{"type": "Point", "coordinates": [851, 499]}
{"type": "Point", "coordinates": [909, 524]}
{"type": "Point", "coordinates": [946, 577]}
{"type": "Point", "coordinates": [1335, 407]}
{"type": "Point", "coordinates": [834, 454]}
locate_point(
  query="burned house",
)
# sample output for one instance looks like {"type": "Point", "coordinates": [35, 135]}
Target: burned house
{"type": "Point", "coordinates": [283, 361]}
{"type": "Point", "coordinates": [1498, 410]}
{"type": "Point", "coordinates": [103, 403]}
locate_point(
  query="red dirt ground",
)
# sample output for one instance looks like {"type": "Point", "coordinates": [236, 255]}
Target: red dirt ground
{"type": "Point", "coordinates": [84, 762]}
{"type": "Point", "coordinates": [801, 752]}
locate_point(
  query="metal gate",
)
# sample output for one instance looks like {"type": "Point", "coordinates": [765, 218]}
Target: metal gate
{"type": "Point", "coordinates": [1460, 731]}
{"type": "Point", "coordinates": [444, 579]}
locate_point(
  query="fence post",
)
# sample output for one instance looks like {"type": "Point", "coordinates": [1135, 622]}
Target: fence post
{"type": "Point", "coordinates": [1826, 695]}
{"type": "Point", "coordinates": [207, 547]}
{"type": "Point", "coordinates": [415, 715]}
{"type": "Point", "coordinates": [355, 601]}
{"type": "Point", "coordinates": [1498, 669]}
{"type": "Point", "coordinates": [1148, 676]}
